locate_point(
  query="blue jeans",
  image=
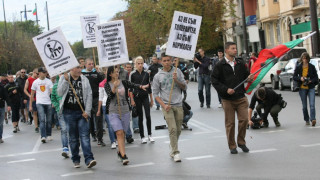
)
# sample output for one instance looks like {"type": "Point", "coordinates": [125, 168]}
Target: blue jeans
{"type": "Point", "coordinates": [304, 94]}
{"type": "Point", "coordinates": [64, 125]}
{"type": "Point", "coordinates": [78, 129]}
{"type": "Point", "coordinates": [1, 121]}
{"type": "Point", "coordinates": [204, 80]}
{"type": "Point", "coordinates": [45, 118]}
{"type": "Point", "coordinates": [157, 104]}
{"type": "Point", "coordinates": [135, 123]}
{"type": "Point", "coordinates": [111, 132]}
{"type": "Point", "coordinates": [55, 117]}
{"type": "Point", "coordinates": [188, 117]}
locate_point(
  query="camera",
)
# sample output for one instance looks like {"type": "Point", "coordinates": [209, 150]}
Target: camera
{"type": "Point", "coordinates": [197, 55]}
{"type": "Point", "coordinates": [256, 121]}
{"type": "Point", "coordinates": [306, 81]}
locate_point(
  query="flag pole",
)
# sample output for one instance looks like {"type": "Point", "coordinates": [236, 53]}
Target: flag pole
{"type": "Point", "coordinates": [36, 14]}
{"type": "Point", "coordinates": [94, 57]}
{"type": "Point", "coordinates": [47, 15]}
{"type": "Point", "coordinates": [274, 59]}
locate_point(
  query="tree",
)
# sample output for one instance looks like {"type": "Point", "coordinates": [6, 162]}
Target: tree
{"type": "Point", "coordinates": [151, 19]}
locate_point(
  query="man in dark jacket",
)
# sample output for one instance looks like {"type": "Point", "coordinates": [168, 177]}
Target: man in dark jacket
{"type": "Point", "coordinates": [94, 78]}
{"type": "Point", "coordinates": [154, 68]}
{"type": "Point", "coordinates": [3, 98]}
{"type": "Point", "coordinates": [227, 74]}
{"type": "Point", "coordinates": [13, 102]}
{"type": "Point", "coordinates": [21, 80]}
{"type": "Point", "coordinates": [203, 62]}
{"type": "Point", "coordinates": [268, 100]}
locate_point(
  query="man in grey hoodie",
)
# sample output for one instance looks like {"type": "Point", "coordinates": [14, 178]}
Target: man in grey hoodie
{"type": "Point", "coordinates": [77, 120]}
{"type": "Point", "coordinates": [172, 112]}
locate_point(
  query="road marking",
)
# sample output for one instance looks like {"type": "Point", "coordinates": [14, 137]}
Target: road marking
{"type": "Point", "coordinates": [37, 145]}
{"type": "Point", "coordinates": [273, 131]}
{"type": "Point", "coordinates": [198, 126]}
{"type": "Point", "coordinates": [205, 126]}
{"type": "Point", "coordinates": [7, 136]}
{"type": "Point", "coordinates": [310, 145]}
{"type": "Point", "coordinates": [263, 150]}
{"type": "Point", "coordinates": [199, 157]}
{"type": "Point", "coordinates": [167, 142]}
{"type": "Point", "coordinates": [160, 137]}
{"type": "Point", "coordinates": [141, 165]}
{"type": "Point", "coordinates": [77, 173]}
{"type": "Point", "coordinates": [28, 153]}
{"type": "Point", "coordinates": [18, 161]}
{"type": "Point", "coordinates": [315, 127]}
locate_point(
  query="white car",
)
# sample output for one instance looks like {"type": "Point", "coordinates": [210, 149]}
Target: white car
{"type": "Point", "coordinates": [316, 63]}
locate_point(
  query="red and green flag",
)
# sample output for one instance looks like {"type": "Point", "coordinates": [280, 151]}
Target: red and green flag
{"type": "Point", "coordinates": [34, 12]}
{"type": "Point", "coordinates": [270, 57]}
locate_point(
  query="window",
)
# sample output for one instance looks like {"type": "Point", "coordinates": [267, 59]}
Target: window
{"type": "Point", "coordinates": [275, 1]}
{"type": "Point", "coordinates": [262, 2]}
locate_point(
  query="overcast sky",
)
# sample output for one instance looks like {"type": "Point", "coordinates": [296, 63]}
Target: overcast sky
{"type": "Point", "coordinates": [63, 13]}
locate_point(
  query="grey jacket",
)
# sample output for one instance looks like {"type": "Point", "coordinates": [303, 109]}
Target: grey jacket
{"type": "Point", "coordinates": [63, 87]}
{"type": "Point", "coordinates": [161, 87]}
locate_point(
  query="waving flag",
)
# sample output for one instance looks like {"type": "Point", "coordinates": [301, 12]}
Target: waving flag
{"type": "Point", "coordinates": [270, 57]}
{"type": "Point", "coordinates": [34, 12]}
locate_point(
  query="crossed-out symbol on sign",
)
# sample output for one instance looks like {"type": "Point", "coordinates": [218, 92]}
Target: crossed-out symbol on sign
{"type": "Point", "coordinates": [53, 49]}
{"type": "Point", "coordinates": [90, 28]}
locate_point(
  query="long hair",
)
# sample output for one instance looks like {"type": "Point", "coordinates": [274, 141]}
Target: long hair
{"type": "Point", "coordinates": [305, 55]}
{"type": "Point", "coordinates": [110, 71]}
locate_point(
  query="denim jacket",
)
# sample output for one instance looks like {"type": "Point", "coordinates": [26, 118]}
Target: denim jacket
{"type": "Point", "coordinates": [63, 88]}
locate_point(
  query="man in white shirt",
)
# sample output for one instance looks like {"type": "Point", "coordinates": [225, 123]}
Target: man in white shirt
{"type": "Point", "coordinates": [43, 87]}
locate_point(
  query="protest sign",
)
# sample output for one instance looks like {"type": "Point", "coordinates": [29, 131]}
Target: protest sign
{"type": "Point", "coordinates": [111, 43]}
{"type": "Point", "coordinates": [55, 52]}
{"type": "Point", "coordinates": [88, 32]}
{"type": "Point", "coordinates": [184, 34]}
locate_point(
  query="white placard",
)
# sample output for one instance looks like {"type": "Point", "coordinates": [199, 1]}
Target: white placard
{"type": "Point", "coordinates": [253, 33]}
{"type": "Point", "coordinates": [55, 52]}
{"type": "Point", "coordinates": [111, 43]}
{"type": "Point", "coordinates": [184, 34]}
{"type": "Point", "coordinates": [88, 31]}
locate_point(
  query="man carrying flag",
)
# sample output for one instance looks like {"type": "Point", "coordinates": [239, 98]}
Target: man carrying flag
{"type": "Point", "coordinates": [227, 74]}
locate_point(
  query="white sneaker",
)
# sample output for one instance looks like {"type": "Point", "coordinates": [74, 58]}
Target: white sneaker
{"type": "Point", "coordinates": [177, 158]}
{"type": "Point", "coordinates": [49, 138]}
{"type": "Point", "coordinates": [220, 106]}
{"type": "Point", "coordinates": [43, 140]}
{"type": "Point", "coordinates": [113, 145]}
{"type": "Point", "coordinates": [151, 139]}
{"type": "Point", "coordinates": [144, 140]}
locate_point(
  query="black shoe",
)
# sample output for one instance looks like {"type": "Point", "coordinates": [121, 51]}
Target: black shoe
{"type": "Point", "coordinates": [244, 148]}
{"type": "Point", "coordinates": [94, 139]}
{"type": "Point", "coordinates": [185, 125]}
{"type": "Point", "coordinates": [101, 143]}
{"type": "Point", "coordinates": [130, 140]}
{"type": "Point", "coordinates": [265, 125]}
{"type": "Point", "coordinates": [201, 105]}
{"type": "Point", "coordinates": [158, 108]}
{"type": "Point", "coordinates": [277, 123]}
{"type": "Point", "coordinates": [125, 160]}
{"type": "Point", "coordinates": [208, 106]}
{"type": "Point", "coordinates": [234, 151]}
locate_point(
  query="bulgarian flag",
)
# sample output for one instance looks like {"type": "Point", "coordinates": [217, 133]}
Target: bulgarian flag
{"type": "Point", "coordinates": [34, 12]}
{"type": "Point", "coordinates": [270, 57]}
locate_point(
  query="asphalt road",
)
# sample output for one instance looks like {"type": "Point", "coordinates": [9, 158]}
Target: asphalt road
{"type": "Point", "coordinates": [288, 152]}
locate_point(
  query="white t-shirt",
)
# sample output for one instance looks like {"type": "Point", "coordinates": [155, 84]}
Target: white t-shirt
{"type": "Point", "coordinates": [42, 88]}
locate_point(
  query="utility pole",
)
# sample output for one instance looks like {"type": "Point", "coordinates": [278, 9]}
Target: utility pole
{"type": "Point", "coordinates": [36, 14]}
{"type": "Point", "coordinates": [47, 15]}
{"type": "Point", "coordinates": [25, 12]}
{"type": "Point", "coordinates": [244, 28]}
{"type": "Point", "coordinates": [5, 21]}
{"type": "Point", "coordinates": [314, 27]}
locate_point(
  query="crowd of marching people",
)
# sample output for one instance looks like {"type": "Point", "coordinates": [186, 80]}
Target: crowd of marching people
{"type": "Point", "coordinates": [81, 101]}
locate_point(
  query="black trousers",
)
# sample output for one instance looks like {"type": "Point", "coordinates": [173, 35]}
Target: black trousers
{"type": "Point", "coordinates": [96, 122]}
{"type": "Point", "coordinates": [143, 101]}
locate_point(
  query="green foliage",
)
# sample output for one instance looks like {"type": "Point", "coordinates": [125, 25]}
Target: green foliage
{"type": "Point", "coordinates": [150, 20]}
{"type": "Point", "coordinates": [16, 46]}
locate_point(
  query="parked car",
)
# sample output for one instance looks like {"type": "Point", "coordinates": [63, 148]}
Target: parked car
{"type": "Point", "coordinates": [273, 74]}
{"type": "Point", "coordinates": [316, 63]}
{"type": "Point", "coordinates": [286, 76]}
{"type": "Point", "coordinates": [193, 72]}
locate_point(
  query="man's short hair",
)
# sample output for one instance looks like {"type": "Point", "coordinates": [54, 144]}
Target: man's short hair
{"type": "Point", "coordinates": [165, 55]}
{"type": "Point", "coordinates": [228, 44]}
{"type": "Point", "coordinates": [88, 59]}
{"type": "Point", "coordinates": [261, 93]}
{"type": "Point", "coordinates": [79, 58]}
{"type": "Point", "coordinates": [220, 50]}
{"type": "Point", "coordinates": [128, 64]}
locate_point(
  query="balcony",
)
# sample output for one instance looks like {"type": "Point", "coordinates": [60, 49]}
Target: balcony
{"type": "Point", "coordinates": [297, 3]}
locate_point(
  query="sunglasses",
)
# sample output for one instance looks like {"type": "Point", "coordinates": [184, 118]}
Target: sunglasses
{"type": "Point", "coordinates": [23, 72]}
